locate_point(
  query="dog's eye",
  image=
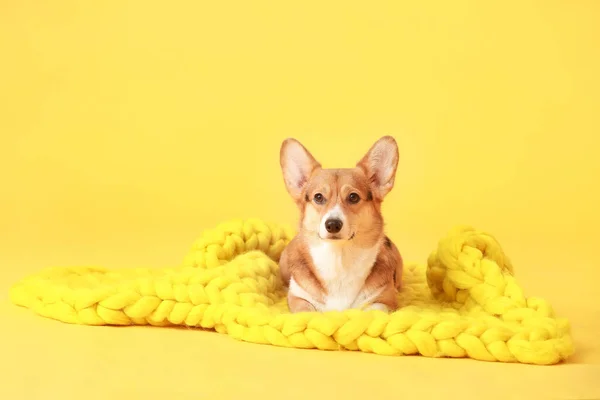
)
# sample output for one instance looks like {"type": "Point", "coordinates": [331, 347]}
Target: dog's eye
{"type": "Point", "coordinates": [353, 198]}
{"type": "Point", "coordinates": [319, 198]}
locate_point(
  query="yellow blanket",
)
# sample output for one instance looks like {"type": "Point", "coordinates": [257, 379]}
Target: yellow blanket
{"type": "Point", "coordinates": [464, 303]}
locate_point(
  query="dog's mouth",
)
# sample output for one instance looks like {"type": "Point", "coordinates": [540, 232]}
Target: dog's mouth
{"type": "Point", "coordinates": [337, 237]}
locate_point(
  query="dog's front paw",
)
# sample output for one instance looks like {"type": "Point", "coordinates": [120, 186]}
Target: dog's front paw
{"type": "Point", "coordinates": [297, 305]}
{"type": "Point", "coordinates": [377, 306]}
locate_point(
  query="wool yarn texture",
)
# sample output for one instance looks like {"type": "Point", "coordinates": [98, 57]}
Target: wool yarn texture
{"type": "Point", "coordinates": [463, 302]}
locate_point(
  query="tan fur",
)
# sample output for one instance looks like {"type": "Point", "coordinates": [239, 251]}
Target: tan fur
{"type": "Point", "coordinates": [360, 250]}
{"type": "Point", "coordinates": [387, 272]}
{"type": "Point", "coordinates": [295, 261]}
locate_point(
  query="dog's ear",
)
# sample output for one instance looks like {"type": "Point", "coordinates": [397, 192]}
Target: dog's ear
{"type": "Point", "coordinates": [297, 165]}
{"type": "Point", "coordinates": [379, 164]}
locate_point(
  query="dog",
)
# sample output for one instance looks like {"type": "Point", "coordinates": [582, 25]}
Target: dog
{"type": "Point", "coordinates": [340, 258]}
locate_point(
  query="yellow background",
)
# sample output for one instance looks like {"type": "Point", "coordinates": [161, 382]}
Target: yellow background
{"type": "Point", "coordinates": [128, 127]}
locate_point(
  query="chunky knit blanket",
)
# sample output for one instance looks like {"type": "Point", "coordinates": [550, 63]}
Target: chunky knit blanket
{"type": "Point", "coordinates": [465, 302]}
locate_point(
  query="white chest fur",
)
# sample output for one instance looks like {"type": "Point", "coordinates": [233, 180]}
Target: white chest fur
{"type": "Point", "coordinates": [343, 269]}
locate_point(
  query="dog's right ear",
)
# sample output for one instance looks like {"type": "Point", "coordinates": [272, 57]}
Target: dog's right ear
{"type": "Point", "coordinates": [297, 165]}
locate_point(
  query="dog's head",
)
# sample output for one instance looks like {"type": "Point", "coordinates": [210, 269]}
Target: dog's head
{"type": "Point", "coordinates": [340, 205]}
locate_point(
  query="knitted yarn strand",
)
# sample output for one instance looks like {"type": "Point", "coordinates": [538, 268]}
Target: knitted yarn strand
{"type": "Point", "coordinates": [465, 302]}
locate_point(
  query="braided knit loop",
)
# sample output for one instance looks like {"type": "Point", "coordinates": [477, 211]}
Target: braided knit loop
{"type": "Point", "coordinates": [464, 303]}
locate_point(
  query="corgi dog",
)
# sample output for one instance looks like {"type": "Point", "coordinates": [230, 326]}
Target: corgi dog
{"type": "Point", "coordinates": [340, 258]}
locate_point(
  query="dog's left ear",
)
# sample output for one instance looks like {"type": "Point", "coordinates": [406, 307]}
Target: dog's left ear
{"type": "Point", "coordinates": [379, 164]}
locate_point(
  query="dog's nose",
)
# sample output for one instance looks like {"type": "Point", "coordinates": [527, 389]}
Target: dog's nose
{"type": "Point", "coordinates": [333, 225]}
